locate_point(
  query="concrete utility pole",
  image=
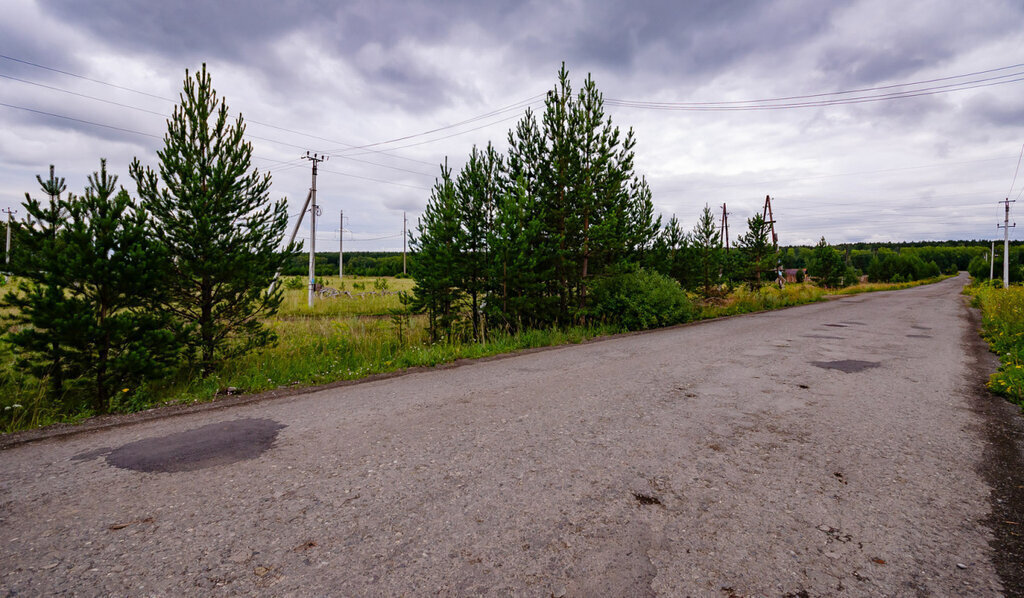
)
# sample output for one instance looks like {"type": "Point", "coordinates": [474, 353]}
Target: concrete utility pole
{"type": "Point", "coordinates": [403, 242]}
{"type": "Point", "coordinates": [992, 261]}
{"type": "Point", "coordinates": [725, 227]}
{"type": "Point", "coordinates": [1006, 226]}
{"type": "Point", "coordinates": [7, 259]}
{"type": "Point", "coordinates": [315, 159]}
{"type": "Point", "coordinates": [341, 244]}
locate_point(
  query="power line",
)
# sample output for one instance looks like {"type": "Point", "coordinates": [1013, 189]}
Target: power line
{"type": "Point", "coordinates": [490, 124]}
{"type": "Point", "coordinates": [150, 95]}
{"type": "Point", "coordinates": [248, 135]}
{"type": "Point", "coordinates": [366, 178]}
{"type": "Point", "coordinates": [841, 174]}
{"type": "Point", "coordinates": [833, 93]}
{"type": "Point", "coordinates": [1015, 171]}
{"type": "Point", "coordinates": [683, 107]}
{"type": "Point", "coordinates": [84, 78]}
{"type": "Point", "coordinates": [351, 240]}
{"type": "Point", "coordinates": [516, 106]}
{"type": "Point", "coordinates": [88, 122]}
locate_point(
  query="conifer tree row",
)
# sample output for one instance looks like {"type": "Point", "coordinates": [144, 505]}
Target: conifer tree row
{"type": "Point", "coordinates": [111, 289]}
{"type": "Point", "coordinates": [527, 234]}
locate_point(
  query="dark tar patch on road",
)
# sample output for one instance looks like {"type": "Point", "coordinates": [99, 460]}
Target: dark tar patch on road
{"type": "Point", "coordinates": [918, 336]}
{"type": "Point", "coordinates": [837, 325]}
{"type": "Point", "coordinates": [207, 446]}
{"type": "Point", "coordinates": [846, 365]}
{"type": "Point", "coordinates": [826, 336]}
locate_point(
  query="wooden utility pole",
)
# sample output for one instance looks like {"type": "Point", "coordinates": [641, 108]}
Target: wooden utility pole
{"type": "Point", "coordinates": [315, 159]}
{"type": "Point", "coordinates": [770, 219]}
{"type": "Point", "coordinates": [291, 239]}
{"type": "Point", "coordinates": [403, 243]}
{"type": "Point", "coordinates": [725, 227]}
{"type": "Point", "coordinates": [1006, 226]}
{"type": "Point", "coordinates": [341, 244]}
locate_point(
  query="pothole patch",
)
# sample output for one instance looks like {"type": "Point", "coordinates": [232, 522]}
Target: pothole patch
{"type": "Point", "coordinates": [207, 446]}
{"type": "Point", "coordinates": [846, 365]}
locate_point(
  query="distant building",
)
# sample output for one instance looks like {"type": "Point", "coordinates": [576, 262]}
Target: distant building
{"type": "Point", "coordinates": [791, 273]}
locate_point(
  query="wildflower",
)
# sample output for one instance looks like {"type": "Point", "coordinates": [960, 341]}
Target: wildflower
{"type": "Point", "coordinates": [17, 406]}
{"type": "Point", "coordinates": [124, 390]}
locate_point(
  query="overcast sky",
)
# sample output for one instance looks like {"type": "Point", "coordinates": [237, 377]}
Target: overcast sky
{"type": "Point", "coordinates": [329, 77]}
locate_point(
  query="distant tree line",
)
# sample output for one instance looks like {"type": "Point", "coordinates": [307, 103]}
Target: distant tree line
{"type": "Point", "coordinates": [896, 262]}
{"type": "Point", "coordinates": [113, 291]}
{"type": "Point", "coordinates": [357, 263]}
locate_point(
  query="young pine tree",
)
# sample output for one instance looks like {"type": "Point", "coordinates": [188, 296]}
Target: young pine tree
{"type": "Point", "coordinates": [756, 249]}
{"type": "Point", "coordinates": [707, 248]}
{"type": "Point", "coordinates": [215, 217]}
{"type": "Point", "coordinates": [477, 190]}
{"type": "Point", "coordinates": [39, 317]}
{"type": "Point", "coordinates": [826, 265]}
{"type": "Point", "coordinates": [114, 273]}
{"type": "Point", "coordinates": [517, 298]}
{"type": "Point", "coordinates": [673, 251]}
{"type": "Point", "coordinates": [437, 250]}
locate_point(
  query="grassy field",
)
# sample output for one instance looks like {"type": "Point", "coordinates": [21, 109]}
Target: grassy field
{"type": "Point", "coordinates": [1002, 325]}
{"type": "Point", "coordinates": [366, 297]}
{"type": "Point", "coordinates": [343, 338]}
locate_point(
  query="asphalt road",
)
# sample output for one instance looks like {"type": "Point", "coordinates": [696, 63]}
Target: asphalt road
{"type": "Point", "coordinates": [836, 449]}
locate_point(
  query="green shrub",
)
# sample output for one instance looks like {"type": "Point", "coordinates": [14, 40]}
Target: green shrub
{"type": "Point", "coordinates": [293, 283]}
{"type": "Point", "coordinates": [638, 300]}
{"type": "Point", "coordinates": [850, 276]}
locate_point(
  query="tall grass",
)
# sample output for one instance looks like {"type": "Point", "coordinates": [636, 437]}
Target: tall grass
{"type": "Point", "coordinates": [1002, 325]}
{"type": "Point", "coordinates": [743, 300]}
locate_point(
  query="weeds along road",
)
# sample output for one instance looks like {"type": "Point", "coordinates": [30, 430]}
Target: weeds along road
{"type": "Point", "coordinates": [835, 449]}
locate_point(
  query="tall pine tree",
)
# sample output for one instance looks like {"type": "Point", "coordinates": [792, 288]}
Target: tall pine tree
{"type": "Point", "coordinates": [517, 299]}
{"type": "Point", "coordinates": [220, 228]}
{"type": "Point", "coordinates": [477, 190]}
{"type": "Point", "coordinates": [438, 251]}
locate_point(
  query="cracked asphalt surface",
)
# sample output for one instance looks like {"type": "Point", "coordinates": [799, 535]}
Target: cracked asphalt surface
{"type": "Point", "coordinates": [836, 449]}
